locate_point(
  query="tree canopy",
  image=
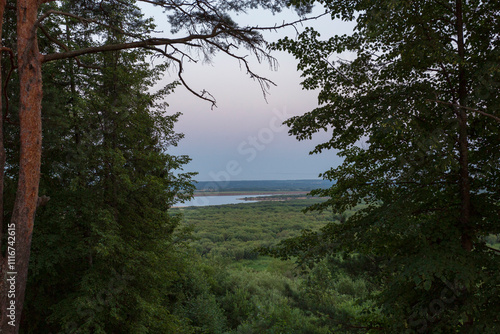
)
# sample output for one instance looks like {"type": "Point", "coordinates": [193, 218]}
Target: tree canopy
{"type": "Point", "coordinates": [414, 112]}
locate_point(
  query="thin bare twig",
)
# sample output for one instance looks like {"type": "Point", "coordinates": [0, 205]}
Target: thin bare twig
{"type": "Point", "coordinates": [263, 82]}
{"type": "Point", "coordinates": [203, 94]}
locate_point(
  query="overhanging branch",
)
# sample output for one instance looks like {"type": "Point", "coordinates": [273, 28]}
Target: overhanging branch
{"type": "Point", "coordinates": [218, 38]}
{"type": "Point", "coordinates": [130, 45]}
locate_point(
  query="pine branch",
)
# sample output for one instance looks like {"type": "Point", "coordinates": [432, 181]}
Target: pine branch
{"type": "Point", "coordinates": [131, 45]}
{"type": "Point", "coordinates": [218, 38]}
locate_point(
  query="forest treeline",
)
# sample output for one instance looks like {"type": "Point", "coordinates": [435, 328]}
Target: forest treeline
{"type": "Point", "coordinates": [264, 185]}
{"type": "Point", "coordinates": [404, 239]}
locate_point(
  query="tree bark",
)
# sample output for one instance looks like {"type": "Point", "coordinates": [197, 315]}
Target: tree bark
{"type": "Point", "coordinates": [23, 214]}
{"type": "Point", "coordinates": [3, 262]}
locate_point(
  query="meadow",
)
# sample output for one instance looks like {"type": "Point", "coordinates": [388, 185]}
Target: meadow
{"type": "Point", "coordinates": [236, 231]}
{"type": "Point", "coordinates": [240, 290]}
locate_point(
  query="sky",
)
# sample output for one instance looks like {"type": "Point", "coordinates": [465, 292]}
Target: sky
{"type": "Point", "coordinates": [243, 138]}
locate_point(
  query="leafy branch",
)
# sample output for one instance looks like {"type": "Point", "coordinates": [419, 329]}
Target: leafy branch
{"type": "Point", "coordinates": [466, 108]}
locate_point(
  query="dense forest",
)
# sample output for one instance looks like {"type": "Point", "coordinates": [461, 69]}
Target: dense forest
{"type": "Point", "coordinates": [402, 237]}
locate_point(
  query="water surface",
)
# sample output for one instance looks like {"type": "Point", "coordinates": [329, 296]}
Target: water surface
{"type": "Point", "coordinates": [218, 200]}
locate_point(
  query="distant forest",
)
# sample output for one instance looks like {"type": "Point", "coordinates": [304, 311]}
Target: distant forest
{"type": "Point", "coordinates": [264, 185]}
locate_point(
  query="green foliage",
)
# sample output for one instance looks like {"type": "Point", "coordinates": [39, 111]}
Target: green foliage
{"type": "Point", "coordinates": [193, 298]}
{"type": "Point", "coordinates": [106, 249]}
{"type": "Point", "coordinates": [260, 302]}
{"type": "Point", "coordinates": [236, 231]}
{"type": "Point", "coordinates": [266, 295]}
{"type": "Point", "coordinates": [341, 295]}
{"type": "Point", "coordinates": [407, 113]}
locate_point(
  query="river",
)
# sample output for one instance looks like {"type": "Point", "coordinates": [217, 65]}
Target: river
{"type": "Point", "coordinates": [217, 200]}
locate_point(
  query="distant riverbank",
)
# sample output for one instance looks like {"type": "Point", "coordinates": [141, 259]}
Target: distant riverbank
{"type": "Point", "coordinates": [247, 193]}
{"type": "Point", "coordinates": [278, 197]}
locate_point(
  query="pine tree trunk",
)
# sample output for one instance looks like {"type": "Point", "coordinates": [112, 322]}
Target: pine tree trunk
{"type": "Point", "coordinates": [23, 215]}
